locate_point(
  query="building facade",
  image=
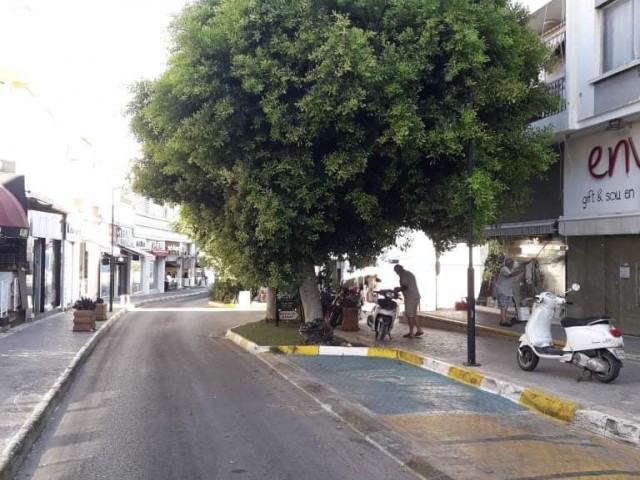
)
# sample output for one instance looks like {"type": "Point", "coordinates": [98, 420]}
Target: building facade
{"type": "Point", "coordinates": [589, 207]}
{"type": "Point", "coordinates": [74, 230]}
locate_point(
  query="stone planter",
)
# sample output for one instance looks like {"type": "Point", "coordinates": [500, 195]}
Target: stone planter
{"type": "Point", "coordinates": [101, 312]}
{"type": "Point", "coordinates": [350, 317]}
{"type": "Point", "coordinates": [84, 320]}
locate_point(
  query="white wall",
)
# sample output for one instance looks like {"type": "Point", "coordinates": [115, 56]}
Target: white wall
{"type": "Point", "coordinates": [583, 59]}
{"type": "Point", "coordinates": [437, 291]}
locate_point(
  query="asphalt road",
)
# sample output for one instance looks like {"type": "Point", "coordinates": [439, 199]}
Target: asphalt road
{"type": "Point", "coordinates": [165, 396]}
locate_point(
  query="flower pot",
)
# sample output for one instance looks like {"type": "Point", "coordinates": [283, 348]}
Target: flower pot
{"type": "Point", "coordinates": [350, 317]}
{"type": "Point", "coordinates": [84, 320]}
{"type": "Point", "coordinates": [101, 312]}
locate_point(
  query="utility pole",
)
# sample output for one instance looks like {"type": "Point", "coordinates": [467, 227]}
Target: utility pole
{"type": "Point", "coordinates": [471, 295]}
{"type": "Point", "coordinates": [112, 262]}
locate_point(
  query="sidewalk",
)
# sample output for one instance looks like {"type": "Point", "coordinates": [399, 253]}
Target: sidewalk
{"type": "Point", "coordinates": [38, 361]}
{"type": "Point", "coordinates": [487, 321]}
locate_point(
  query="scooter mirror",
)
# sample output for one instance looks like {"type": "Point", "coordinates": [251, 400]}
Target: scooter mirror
{"type": "Point", "coordinates": [575, 287]}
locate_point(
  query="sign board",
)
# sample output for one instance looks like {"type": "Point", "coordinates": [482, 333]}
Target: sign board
{"type": "Point", "coordinates": [287, 305]}
{"type": "Point", "coordinates": [288, 315]}
{"type": "Point", "coordinates": [602, 172]}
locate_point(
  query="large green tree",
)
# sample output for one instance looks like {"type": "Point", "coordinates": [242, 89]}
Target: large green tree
{"type": "Point", "coordinates": [291, 131]}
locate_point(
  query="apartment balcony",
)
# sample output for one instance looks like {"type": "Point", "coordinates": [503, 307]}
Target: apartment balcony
{"type": "Point", "coordinates": [558, 88]}
{"type": "Point", "coordinates": [550, 24]}
{"type": "Point", "coordinates": [557, 118]}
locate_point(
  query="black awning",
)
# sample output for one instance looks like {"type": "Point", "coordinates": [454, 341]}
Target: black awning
{"type": "Point", "coordinates": [523, 229]}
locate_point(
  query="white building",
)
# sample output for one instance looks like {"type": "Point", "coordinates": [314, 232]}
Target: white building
{"type": "Point", "coordinates": [590, 206]}
{"type": "Point", "coordinates": [83, 224]}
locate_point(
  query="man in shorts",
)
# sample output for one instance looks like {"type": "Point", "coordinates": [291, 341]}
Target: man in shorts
{"type": "Point", "coordinates": [409, 289]}
{"type": "Point", "coordinates": [504, 287]}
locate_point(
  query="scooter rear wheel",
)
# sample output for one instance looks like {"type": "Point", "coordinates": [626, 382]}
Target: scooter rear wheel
{"type": "Point", "coordinates": [527, 359]}
{"type": "Point", "coordinates": [613, 369]}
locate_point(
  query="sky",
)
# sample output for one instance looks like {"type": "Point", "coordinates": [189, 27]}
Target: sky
{"type": "Point", "coordinates": [80, 57]}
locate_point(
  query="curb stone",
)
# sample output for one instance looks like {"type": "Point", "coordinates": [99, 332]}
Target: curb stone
{"type": "Point", "coordinates": [539, 401]}
{"type": "Point", "coordinates": [19, 446]}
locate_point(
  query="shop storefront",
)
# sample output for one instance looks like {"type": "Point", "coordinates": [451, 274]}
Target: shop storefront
{"type": "Point", "coordinates": [547, 252]}
{"type": "Point", "coordinates": [141, 265]}
{"type": "Point", "coordinates": [160, 274]}
{"type": "Point", "coordinates": [76, 262]}
{"type": "Point", "coordinates": [532, 235]}
{"type": "Point", "coordinates": [44, 254]}
{"type": "Point", "coordinates": [14, 230]}
{"type": "Point", "coordinates": [602, 224]}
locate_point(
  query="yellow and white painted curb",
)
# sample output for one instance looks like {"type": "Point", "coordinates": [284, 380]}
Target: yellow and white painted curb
{"type": "Point", "coordinates": [544, 403]}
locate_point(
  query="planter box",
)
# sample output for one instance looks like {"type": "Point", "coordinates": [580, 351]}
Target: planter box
{"type": "Point", "coordinates": [84, 320]}
{"type": "Point", "coordinates": [101, 312]}
{"type": "Point", "coordinates": [350, 317]}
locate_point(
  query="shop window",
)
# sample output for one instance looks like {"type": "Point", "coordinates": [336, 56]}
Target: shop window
{"type": "Point", "coordinates": [136, 276]}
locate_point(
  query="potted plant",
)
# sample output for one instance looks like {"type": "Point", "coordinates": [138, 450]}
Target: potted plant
{"type": "Point", "coordinates": [84, 315]}
{"type": "Point", "coordinates": [101, 310]}
{"type": "Point", "coordinates": [351, 309]}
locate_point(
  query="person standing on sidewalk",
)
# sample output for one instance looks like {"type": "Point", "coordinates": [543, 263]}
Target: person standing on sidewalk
{"type": "Point", "coordinates": [409, 288]}
{"type": "Point", "coordinates": [504, 287]}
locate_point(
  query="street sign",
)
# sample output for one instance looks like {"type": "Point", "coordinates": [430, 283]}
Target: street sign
{"type": "Point", "coordinates": [289, 315]}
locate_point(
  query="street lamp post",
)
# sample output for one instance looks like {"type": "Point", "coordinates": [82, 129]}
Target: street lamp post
{"type": "Point", "coordinates": [112, 263]}
{"type": "Point", "coordinates": [471, 295]}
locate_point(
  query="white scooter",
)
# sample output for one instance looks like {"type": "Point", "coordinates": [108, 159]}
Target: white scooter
{"type": "Point", "coordinates": [593, 343]}
{"type": "Point", "coordinates": [382, 315]}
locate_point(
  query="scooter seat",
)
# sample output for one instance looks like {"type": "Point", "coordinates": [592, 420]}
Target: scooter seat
{"type": "Point", "coordinates": [387, 304]}
{"type": "Point", "coordinates": [582, 322]}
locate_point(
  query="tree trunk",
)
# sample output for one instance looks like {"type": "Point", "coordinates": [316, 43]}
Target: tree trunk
{"type": "Point", "coordinates": [271, 304]}
{"type": "Point", "coordinates": [310, 296]}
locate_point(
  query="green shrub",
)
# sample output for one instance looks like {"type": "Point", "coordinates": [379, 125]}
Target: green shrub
{"type": "Point", "coordinates": [84, 303]}
{"type": "Point", "coordinates": [225, 291]}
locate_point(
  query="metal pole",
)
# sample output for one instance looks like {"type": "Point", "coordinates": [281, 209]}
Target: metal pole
{"type": "Point", "coordinates": [111, 261]}
{"type": "Point", "coordinates": [471, 296]}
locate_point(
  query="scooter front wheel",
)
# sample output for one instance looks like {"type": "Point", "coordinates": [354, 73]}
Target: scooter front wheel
{"type": "Point", "coordinates": [613, 367]}
{"type": "Point", "coordinates": [385, 328]}
{"type": "Point", "coordinates": [527, 359]}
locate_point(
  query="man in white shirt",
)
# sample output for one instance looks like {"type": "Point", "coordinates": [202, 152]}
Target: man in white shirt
{"type": "Point", "coordinates": [504, 287]}
{"type": "Point", "coordinates": [409, 289]}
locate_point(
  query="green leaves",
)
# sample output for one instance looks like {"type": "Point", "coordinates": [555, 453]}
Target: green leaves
{"type": "Point", "coordinates": [291, 131]}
